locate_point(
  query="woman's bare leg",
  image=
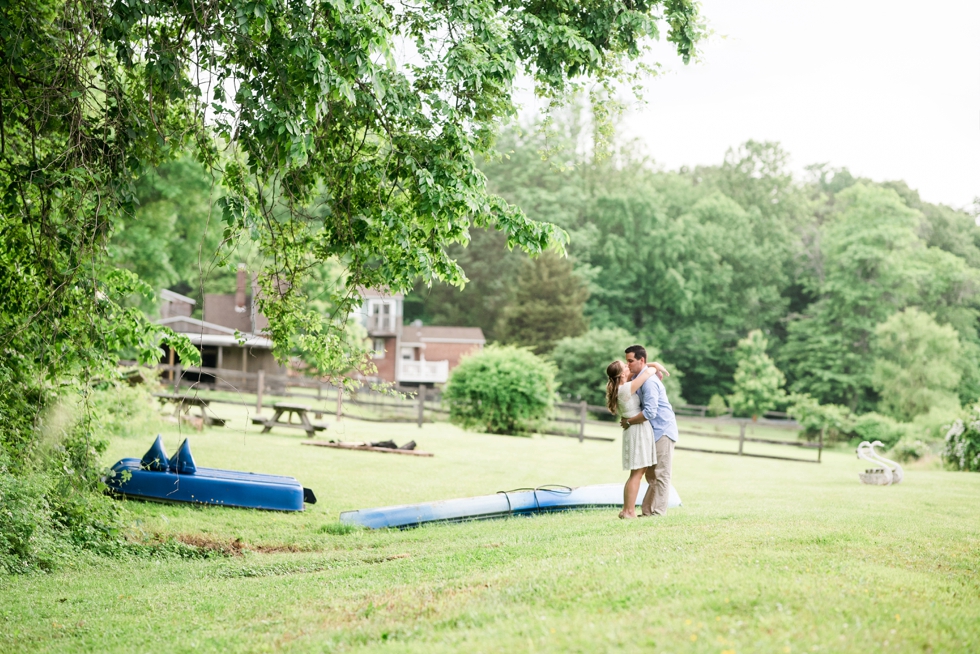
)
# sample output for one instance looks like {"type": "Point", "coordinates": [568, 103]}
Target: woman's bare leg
{"type": "Point", "coordinates": [630, 491]}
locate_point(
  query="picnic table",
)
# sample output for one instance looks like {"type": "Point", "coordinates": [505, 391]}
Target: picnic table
{"type": "Point", "coordinates": [184, 403]}
{"type": "Point", "coordinates": [301, 411]}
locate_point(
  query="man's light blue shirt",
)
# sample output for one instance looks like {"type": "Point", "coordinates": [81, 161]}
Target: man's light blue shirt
{"type": "Point", "coordinates": [657, 409]}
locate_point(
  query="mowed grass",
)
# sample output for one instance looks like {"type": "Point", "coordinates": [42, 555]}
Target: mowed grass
{"type": "Point", "coordinates": [764, 556]}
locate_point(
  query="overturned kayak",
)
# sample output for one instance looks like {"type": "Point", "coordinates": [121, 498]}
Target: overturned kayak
{"type": "Point", "coordinates": [155, 477]}
{"type": "Point", "coordinates": [518, 502]}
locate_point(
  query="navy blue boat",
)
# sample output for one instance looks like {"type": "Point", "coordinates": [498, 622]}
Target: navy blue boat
{"type": "Point", "coordinates": [525, 501]}
{"type": "Point", "coordinates": [155, 477]}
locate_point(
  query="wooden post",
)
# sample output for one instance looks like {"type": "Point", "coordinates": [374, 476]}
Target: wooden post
{"type": "Point", "coordinates": [176, 377]}
{"type": "Point", "coordinates": [258, 392]}
{"type": "Point", "coordinates": [221, 357]}
{"type": "Point", "coordinates": [820, 449]}
{"type": "Point", "coordinates": [581, 421]}
{"type": "Point", "coordinates": [340, 401]}
{"type": "Point", "coordinates": [741, 436]}
{"type": "Point", "coordinates": [244, 365]}
{"type": "Point", "coordinates": [421, 404]}
{"type": "Point", "coordinates": [171, 360]}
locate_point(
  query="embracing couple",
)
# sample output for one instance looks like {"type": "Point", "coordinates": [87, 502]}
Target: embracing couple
{"type": "Point", "coordinates": [636, 393]}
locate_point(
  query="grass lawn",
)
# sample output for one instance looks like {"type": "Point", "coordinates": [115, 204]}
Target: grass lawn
{"type": "Point", "coordinates": [764, 556]}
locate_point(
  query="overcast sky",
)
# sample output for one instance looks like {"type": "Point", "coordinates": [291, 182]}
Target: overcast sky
{"type": "Point", "coordinates": [889, 89]}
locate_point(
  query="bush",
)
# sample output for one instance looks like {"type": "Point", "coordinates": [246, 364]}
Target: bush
{"type": "Point", "coordinates": [582, 361]}
{"type": "Point", "coordinates": [909, 449]}
{"type": "Point", "coordinates": [873, 427]}
{"type": "Point", "coordinates": [124, 410]}
{"type": "Point", "coordinates": [501, 390]}
{"type": "Point", "coordinates": [717, 406]}
{"type": "Point", "coordinates": [962, 447]}
{"type": "Point", "coordinates": [51, 504]}
{"type": "Point", "coordinates": [835, 420]}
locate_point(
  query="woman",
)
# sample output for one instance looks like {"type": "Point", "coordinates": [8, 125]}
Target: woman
{"type": "Point", "coordinates": [638, 449]}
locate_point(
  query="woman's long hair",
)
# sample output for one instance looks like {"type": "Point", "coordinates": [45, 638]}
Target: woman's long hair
{"type": "Point", "coordinates": [614, 371]}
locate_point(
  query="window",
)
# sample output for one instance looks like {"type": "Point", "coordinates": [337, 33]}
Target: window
{"type": "Point", "coordinates": [379, 348]}
{"type": "Point", "coordinates": [408, 354]}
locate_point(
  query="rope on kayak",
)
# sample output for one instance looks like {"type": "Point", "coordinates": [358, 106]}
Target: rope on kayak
{"type": "Point", "coordinates": [551, 488]}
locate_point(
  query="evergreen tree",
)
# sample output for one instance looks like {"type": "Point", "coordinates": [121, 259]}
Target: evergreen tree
{"type": "Point", "coordinates": [549, 305]}
{"type": "Point", "coordinates": [758, 382]}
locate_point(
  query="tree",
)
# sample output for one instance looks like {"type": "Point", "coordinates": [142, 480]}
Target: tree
{"type": "Point", "coordinates": [872, 264]}
{"type": "Point", "coordinates": [492, 271]}
{"type": "Point", "coordinates": [327, 144]}
{"type": "Point", "coordinates": [915, 365]}
{"type": "Point", "coordinates": [548, 305]}
{"type": "Point", "coordinates": [501, 390]}
{"type": "Point", "coordinates": [173, 238]}
{"type": "Point", "coordinates": [758, 382]}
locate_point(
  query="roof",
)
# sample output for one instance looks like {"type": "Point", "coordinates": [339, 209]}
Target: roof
{"type": "Point", "coordinates": [208, 333]}
{"type": "Point", "coordinates": [370, 294]}
{"type": "Point", "coordinates": [435, 334]}
{"type": "Point", "coordinates": [170, 296]}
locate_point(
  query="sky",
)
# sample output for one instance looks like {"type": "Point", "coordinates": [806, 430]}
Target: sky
{"type": "Point", "coordinates": [888, 89]}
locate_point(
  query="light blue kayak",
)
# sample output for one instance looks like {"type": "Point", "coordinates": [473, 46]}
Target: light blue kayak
{"type": "Point", "coordinates": [518, 502]}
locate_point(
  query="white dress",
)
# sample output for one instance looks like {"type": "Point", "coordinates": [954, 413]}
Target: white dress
{"type": "Point", "coordinates": [638, 448]}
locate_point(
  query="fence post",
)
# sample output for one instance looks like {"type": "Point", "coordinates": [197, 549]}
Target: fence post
{"type": "Point", "coordinates": [820, 449]}
{"type": "Point", "coordinates": [175, 374]}
{"type": "Point", "coordinates": [741, 436]}
{"type": "Point", "coordinates": [421, 395]}
{"type": "Point", "coordinates": [258, 392]}
{"type": "Point", "coordinates": [581, 421]}
{"type": "Point", "coordinates": [340, 401]}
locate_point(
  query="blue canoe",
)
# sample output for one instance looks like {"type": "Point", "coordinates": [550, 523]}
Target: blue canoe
{"type": "Point", "coordinates": [520, 502]}
{"type": "Point", "coordinates": [155, 477]}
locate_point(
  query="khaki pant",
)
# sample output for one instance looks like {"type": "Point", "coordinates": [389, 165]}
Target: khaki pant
{"type": "Point", "coordinates": [658, 476]}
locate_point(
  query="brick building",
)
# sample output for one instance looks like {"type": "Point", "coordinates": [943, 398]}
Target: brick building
{"type": "Point", "coordinates": [413, 354]}
{"type": "Point", "coordinates": [215, 336]}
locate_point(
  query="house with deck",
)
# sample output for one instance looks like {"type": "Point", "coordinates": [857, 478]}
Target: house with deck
{"type": "Point", "coordinates": [414, 354]}
{"type": "Point", "coordinates": [230, 336]}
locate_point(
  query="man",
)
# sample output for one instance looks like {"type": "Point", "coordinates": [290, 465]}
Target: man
{"type": "Point", "coordinates": [656, 409]}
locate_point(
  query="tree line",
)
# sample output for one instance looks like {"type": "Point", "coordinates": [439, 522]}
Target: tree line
{"type": "Point", "coordinates": [865, 295]}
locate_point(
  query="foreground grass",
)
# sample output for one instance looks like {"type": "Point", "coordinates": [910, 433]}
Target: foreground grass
{"type": "Point", "coordinates": [765, 556]}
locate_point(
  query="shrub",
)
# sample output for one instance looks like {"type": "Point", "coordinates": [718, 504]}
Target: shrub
{"type": "Point", "coordinates": [717, 406]}
{"type": "Point", "coordinates": [962, 447]}
{"type": "Point", "coordinates": [835, 420]}
{"type": "Point", "coordinates": [124, 410]}
{"type": "Point", "coordinates": [501, 390]}
{"type": "Point", "coordinates": [50, 501]}
{"type": "Point", "coordinates": [582, 361]}
{"type": "Point", "coordinates": [876, 427]}
{"type": "Point", "coordinates": [909, 449]}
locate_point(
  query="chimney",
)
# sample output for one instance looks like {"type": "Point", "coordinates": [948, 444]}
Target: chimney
{"type": "Point", "coordinates": [240, 292]}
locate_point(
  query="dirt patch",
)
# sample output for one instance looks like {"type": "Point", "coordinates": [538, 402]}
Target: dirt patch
{"type": "Point", "coordinates": [273, 549]}
{"type": "Point", "coordinates": [234, 547]}
{"type": "Point", "coordinates": [229, 548]}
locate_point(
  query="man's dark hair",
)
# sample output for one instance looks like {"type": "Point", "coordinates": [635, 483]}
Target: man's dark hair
{"type": "Point", "coordinates": [638, 352]}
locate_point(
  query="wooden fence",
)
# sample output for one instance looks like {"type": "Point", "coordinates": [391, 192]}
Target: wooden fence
{"type": "Point", "coordinates": [574, 420]}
